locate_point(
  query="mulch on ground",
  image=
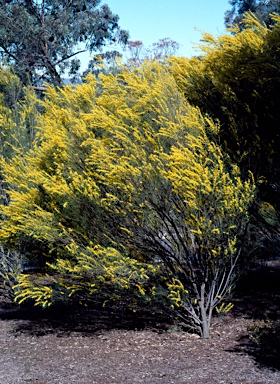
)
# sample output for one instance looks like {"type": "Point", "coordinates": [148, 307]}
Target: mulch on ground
{"type": "Point", "coordinates": [91, 347]}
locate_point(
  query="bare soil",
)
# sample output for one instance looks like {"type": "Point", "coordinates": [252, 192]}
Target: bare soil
{"type": "Point", "coordinates": [92, 347]}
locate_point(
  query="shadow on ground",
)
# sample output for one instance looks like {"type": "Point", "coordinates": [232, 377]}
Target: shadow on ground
{"type": "Point", "coordinates": [257, 300]}
{"type": "Point", "coordinates": [263, 345]}
{"type": "Point", "coordinates": [65, 319]}
{"type": "Point", "coordinates": [257, 294]}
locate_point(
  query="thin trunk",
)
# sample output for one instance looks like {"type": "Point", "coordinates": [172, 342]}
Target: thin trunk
{"type": "Point", "coordinates": [205, 321]}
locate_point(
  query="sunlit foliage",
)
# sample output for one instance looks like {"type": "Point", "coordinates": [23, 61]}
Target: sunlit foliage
{"type": "Point", "coordinates": [124, 189]}
{"type": "Point", "coordinates": [236, 80]}
{"type": "Point", "coordinates": [18, 115]}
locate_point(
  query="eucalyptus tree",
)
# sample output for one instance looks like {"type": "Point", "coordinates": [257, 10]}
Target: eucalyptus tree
{"type": "Point", "coordinates": [261, 8]}
{"type": "Point", "coordinates": [42, 39]}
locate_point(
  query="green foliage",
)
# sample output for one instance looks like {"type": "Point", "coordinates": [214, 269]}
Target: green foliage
{"type": "Point", "coordinates": [124, 191]}
{"type": "Point", "coordinates": [236, 80]}
{"type": "Point", "coordinates": [41, 39]}
{"type": "Point", "coordinates": [18, 115]}
{"type": "Point", "coordinates": [268, 214]}
{"type": "Point", "coordinates": [11, 267]}
{"type": "Point", "coordinates": [261, 8]}
{"type": "Point", "coordinates": [92, 272]}
{"type": "Point", "coordinates": [265, 334]}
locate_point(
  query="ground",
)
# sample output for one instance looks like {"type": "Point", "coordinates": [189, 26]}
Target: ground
{"type": "Point", "coordinates": [93, 348]}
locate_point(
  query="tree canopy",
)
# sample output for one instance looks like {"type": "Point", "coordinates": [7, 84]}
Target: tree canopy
{"type": "Point", "coordinates": [41, 39]}
{"type": "Point", "coordinates": [236, 80]}
{"type": "Point", "coordinates": [261, 8]}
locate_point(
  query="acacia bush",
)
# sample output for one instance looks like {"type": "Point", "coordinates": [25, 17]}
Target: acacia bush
{"type": "Point", "coordinates": [18, 115]}
{"type": "Point", "coordinates": [11, 266]}
{"type": "Point", "coordinates": [236, 80]}
{"type": "Point", "coordinates": [124, 191]}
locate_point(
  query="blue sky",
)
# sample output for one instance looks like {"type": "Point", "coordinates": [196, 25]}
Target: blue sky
{"type": "Point", "coordinates": [180, 20]}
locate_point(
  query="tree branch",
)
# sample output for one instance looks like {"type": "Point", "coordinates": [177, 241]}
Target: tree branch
{"type": "Point", "coordinates": [69, 56]}
{"type": "Point", "coordinates": [9, 53]}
